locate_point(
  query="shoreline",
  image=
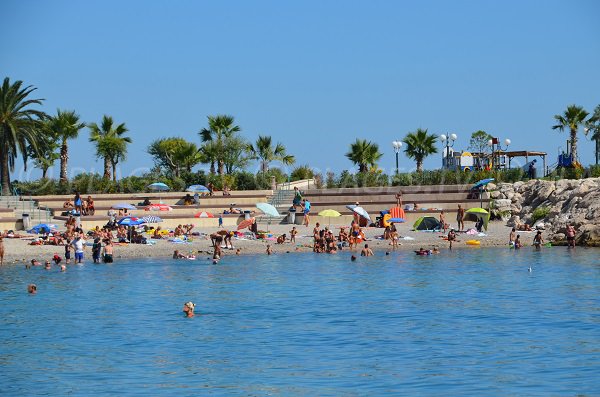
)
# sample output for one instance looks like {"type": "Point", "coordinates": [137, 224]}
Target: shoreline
{"type": "Point", "coordinates": [18, 251]}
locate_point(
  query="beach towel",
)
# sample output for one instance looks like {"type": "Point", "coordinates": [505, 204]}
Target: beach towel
{"type": "Point", "coordinates": [408, 238]}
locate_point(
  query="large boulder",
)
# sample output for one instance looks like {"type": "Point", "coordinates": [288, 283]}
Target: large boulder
{"type": "Point", "coordinates": [502, 204]}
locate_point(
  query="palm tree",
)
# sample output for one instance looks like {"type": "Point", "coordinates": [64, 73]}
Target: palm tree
{"type": "Point", "coordinates": [572, 118]}
{"type": "Point", "coordinates": [64, 126]}
{"type": "Point", "coordinates": [107, 131]}
{"type": "Point", "coordinates": [20, 126]}
{"type": "Point", "coordinates": [593, 126]}
{"type": "Point", "coordinates": [220, 128]}
{"type": "Point", "coordinates": [419, 144]}
{"type": "Point", "coordinates": [364, 153]}
{"type": "Point", "coordinates": [45, 155]}
{"type": "Point", "coordinates": [264, 151]}
{"type": "Point", "coordinates": [114, 148]}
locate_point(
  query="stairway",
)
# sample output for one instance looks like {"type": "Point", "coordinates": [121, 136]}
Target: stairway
{"type": "Point", "coordinates": [20, 205]}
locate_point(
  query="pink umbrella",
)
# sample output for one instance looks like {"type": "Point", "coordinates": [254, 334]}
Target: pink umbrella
{"type": "Point", "coordinates": [158, 207]}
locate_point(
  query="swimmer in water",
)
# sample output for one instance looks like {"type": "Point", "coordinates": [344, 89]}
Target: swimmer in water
{"type": "Point", "coordinates": [47, 265]}
{"type": "Point", "coordinates": [32, 288]}
{"type": "Point", "coordinates": [188, 309]}
{"type": "Point", "coordinates": [353, 258]}
{"type": "Point", "coordinates": [269, 249]}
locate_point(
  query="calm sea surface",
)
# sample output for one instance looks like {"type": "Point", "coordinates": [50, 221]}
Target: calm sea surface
{"type": "Point", "coordinates": [473, 322]}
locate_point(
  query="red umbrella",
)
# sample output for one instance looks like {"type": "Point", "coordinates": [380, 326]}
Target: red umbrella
{"type": "Point", "coordinates": [245, 223]}
{"type": "Point", "coordinates": [204, 214]}
{"type": "Point", "coordinates": [158, 207]}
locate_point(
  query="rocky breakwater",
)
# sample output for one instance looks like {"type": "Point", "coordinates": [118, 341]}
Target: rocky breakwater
{"type": "Point", "coordinates": [551, 206]}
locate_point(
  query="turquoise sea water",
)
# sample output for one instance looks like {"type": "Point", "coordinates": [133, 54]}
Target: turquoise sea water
{"type": "Point", "coordinates": [471, 322]}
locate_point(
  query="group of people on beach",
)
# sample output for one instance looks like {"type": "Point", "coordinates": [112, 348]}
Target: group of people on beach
{"type": "Point", "coordinates": [80, 206]}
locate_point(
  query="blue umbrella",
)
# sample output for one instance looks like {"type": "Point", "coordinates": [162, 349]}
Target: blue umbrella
{"type": "Point", "coordinates": [482, 183]}
{"type": "Point", "coordinates": [43, 228]}
{"type": "Point", "coordinates": [396, 220]}
{"type": "Point", "coordinates": [130, 221]}
{"type": "Point", "coordinates": [158, 186]}
{"type": "Point", "coordinates": [198, 189]}
{"type": "Point", "coordinates": [123, 206]}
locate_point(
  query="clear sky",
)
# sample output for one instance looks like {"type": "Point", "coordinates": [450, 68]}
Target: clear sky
{"type": "Point", "coordinates": [313, 74]}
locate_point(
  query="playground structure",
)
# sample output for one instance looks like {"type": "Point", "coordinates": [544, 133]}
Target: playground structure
{"type": "Point", "coordinates": [496, 160]}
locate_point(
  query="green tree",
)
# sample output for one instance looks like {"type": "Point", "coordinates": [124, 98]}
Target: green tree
{"type": "Point", "coordinates": [572, 119]}
{"type": "Point", "coordinates": [175, 154]}
{"type": "Point", "coordinates": [479, 141]}
{"type": "Point", "coordinates": [235, 154]}
{"type": "Point", "coordinates": [302, 172]}
{"type": "Point", "coordinates": [419, 144]}
{"type": "Point", "coordinates": [264, 151]}
{"type": "Point", "coordinates": [364, 153]}
{"type": "Point", "coordinates": [64, 126]}
{"type": "Point", "coordinates": [46, 153]}
{"type": "Point", "coordinates": [20, 126]}
{"type": "Point", "coordinates": [220, 128]}
{"type": "Point", "coordinates": [110, 143]}
{"type": "Point", "coordinates": [593, 127]}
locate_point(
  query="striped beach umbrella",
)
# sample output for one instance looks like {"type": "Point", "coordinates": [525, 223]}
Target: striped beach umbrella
{"type": "Point", "coordinates": [204, 214]}
{"type": "Point", "coordinates": [151, 219]}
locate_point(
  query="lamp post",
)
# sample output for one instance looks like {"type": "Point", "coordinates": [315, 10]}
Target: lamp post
{"type": "Point", "coordinates": [494, 143]}
{"type": "Point", "coordinates": [448, 141]}
{"type": "Point", "coordinates": [397, 146]}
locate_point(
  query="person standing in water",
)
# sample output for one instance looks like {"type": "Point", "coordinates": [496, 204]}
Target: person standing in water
{"type": "Point", "coordinates": [570, 236]}
{"type": "Point", "coordinates": [538, 240]}
{"type": "Point", "coordinates": [451, 237]}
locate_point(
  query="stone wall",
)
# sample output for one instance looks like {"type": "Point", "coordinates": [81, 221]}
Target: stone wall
{"type": "Point", "coordinates": [561, 202]}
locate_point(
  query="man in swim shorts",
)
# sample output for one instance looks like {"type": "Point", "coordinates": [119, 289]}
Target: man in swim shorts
{"type": "Point", "coordinates": [570, 236]}
{"type": "Point", "coordinates": [78, 245]}
{"type": "Point", "coordinates": [366, 251]}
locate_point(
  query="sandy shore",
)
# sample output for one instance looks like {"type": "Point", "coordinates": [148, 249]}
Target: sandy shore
{"type": "Point", "coordinates": [19, 250]}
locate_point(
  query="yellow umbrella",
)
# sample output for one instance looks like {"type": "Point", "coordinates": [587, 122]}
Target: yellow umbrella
{"type": "Point", "coordinates": [330, 214]}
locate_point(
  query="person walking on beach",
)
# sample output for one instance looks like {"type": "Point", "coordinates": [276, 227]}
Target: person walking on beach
{"type": "Point", "coordinates": [306, 206]}
{"type": "Point", "coordinates": [293, 234]}
{"type": "Point", "coordinates": [443, 221]}
{"type": "Point", "coordinates": [538, 240]}
{"type": "Point", "coordinates": [460, 218]}
{"type": "Point", "coordinates": [1, 251]}
{"type": "Point", "coordinates": [570, 236]}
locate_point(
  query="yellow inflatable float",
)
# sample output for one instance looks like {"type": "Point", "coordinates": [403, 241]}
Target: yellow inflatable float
{"type": "Point", "coordinates": [473, 242]}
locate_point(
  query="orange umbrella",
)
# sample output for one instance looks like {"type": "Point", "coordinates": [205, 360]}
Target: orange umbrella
{"type": "Point", "coordinates": [204, 214]}
{"type": "Point", "coordinates": [245, 223]}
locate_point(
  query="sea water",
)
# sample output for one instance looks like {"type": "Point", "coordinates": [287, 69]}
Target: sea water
{"type": "Point", "coordinates": [468, 322]}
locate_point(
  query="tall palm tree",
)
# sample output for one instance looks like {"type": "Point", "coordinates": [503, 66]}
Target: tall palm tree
{"type": "Point", "coordinates": [220, 128]}
{"type": "Point", "coordinates": [114, 148]}
{"type": "Point", "coordinates": [20, 126]}
{"type": "Point", "coordinates": [419, 144]}
{"type": "Point", "coordinates": [65, 125]}
{"type": "Point", "coordinates": [572, 118]}
{"type": "Point", "coordinates": [593, 127]}
{"type": "Point", "coordinates": [106, 131]}
{"type": "Point", "coordinates": [264, 151]}
{"type": "Point", "coordinates": [364, 153]}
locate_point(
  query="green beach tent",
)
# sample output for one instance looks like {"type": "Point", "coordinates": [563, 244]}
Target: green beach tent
{"type": "Point", "coordinates": [475, 214]}
{"type": "Point", "coordinates": [427, 223]}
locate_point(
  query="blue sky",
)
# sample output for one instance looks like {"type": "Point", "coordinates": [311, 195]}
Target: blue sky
{"type": "Point", "coordinates": [313, 74]}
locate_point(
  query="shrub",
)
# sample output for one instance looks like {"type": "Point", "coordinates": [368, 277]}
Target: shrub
{"type": "Point", "coordinates": [330, 181]}
{"type": "Point", "coordinates": [594, 171]}
{"type": "Point", "coordinates": [346, 179]}
{"type": "Point", "coordinates": [539, 213]}
{"type": "Point", "coordinates": [302, 172]}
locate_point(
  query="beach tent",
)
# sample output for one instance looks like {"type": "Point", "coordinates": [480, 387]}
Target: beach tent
{"type": "Point", "coordinates": [475, 214]}
{"type": "Point", "coordinates": [427, 223]}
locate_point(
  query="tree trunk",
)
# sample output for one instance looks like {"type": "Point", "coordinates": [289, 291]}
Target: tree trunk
{"type": "Point", "coordinates": [574, 144]}
{"type": "Point", "coordinates": [44, 172]}
{"type": "Point", "coordinates": [221, 167]}
{"type": "Point", "coordinates": [114, 171]}
{"type": "Point", "coordinates": [64, 157]}
{"type": "Point", "coordinates": [420, 166]}
{"type": "Point", "coordinates": [107, 165]}
{"type": "Point", "coordinates": [212, 167]}
{"type": "Point", "coordinates": [4, 174]}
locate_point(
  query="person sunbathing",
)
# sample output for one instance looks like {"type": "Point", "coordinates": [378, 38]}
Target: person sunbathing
{"type": "Point", "coordinates": [68, 204]}
{"type": "Point", "coordinates": [157, 233]}
{"type": "Point", "coordinates": [178, 231]}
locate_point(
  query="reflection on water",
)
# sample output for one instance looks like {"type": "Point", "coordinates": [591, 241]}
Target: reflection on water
{"type": "Point", "coordinates": [466, 322]}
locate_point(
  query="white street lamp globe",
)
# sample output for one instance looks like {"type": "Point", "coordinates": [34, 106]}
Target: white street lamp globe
{"type": "Point", "coordinates": [490, 143]}
{"type": "Point", "coordinates": [507, 141]}
{"type": "Point", "coordinates": [399, 144]}
{"type": "Point", "coordinates": [443, 138]}
{"type": "Point", "coordinates": [453, 137]}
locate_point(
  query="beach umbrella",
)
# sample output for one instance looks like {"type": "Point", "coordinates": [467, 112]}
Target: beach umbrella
{"type": "Point", "coordinates": [197, 189]}
{"type": "Point", "coordinates": [360, 211]}
{"type": "Point", "coordinates": [130, 221]}
{"type": "Point", "coordinates": [43, 228]}
{"type": "Point", "coordinates": [158, 207]}
{"type": "Point", "coordinates": [151, 219]}
{"type": "Point", "coordinates": [329, 214]}
{"type": "Point", "coordinates": [204, 214]}
{"type": "Point", "coordinates": [267, 209]}
{"type": "Point", "coordinates": [475, 214]}
{"type": "Point", "coordinates": [482, 183]}
{"type": "Point", "coordinates": [158, 187]}
{"type": "Point", "coordinates": [123, 206]}
{"type": "Point", "coordinates": [480, 186]}
{"type": "Point", "coordinates": [245, 223]}
{"type": "Point", "coordinates": [396, 220]}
